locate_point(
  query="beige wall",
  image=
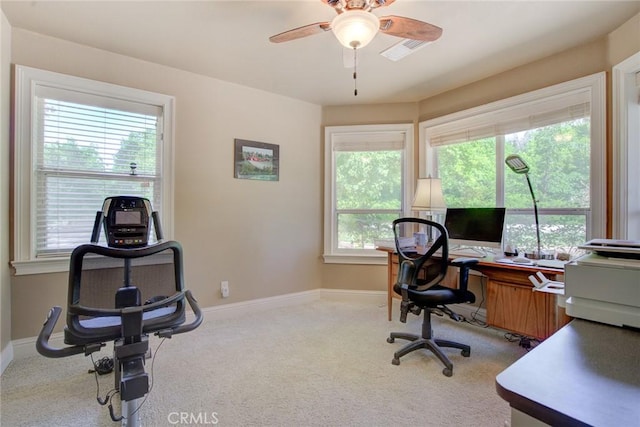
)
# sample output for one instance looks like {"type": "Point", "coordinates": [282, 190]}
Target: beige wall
{"type": "Point", "coordinates": [263, 237]}
{"type": "Point", "coordinates": [5, 285]}
{"type": "Point", "coordinates": [624, 41]}
{"type": "Point", "coordinates": [568, 65]}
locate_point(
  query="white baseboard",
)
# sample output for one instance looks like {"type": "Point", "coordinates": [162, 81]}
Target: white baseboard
{"type": "Point", "coordinates": [26, 347]}
{"type": "Point", "coordinates": [6, 356]}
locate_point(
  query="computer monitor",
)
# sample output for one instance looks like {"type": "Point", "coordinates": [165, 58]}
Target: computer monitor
{"type": "Point", "coordinates": [475, 226]}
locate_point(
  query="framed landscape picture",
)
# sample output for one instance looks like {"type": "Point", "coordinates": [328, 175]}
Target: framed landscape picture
{"type": "Point", "coordinates": [256, 160]}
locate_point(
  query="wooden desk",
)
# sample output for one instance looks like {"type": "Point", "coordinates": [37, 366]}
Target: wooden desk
{"type": "Point", "coordinates": [586, 374]}
{"type": "Point", "coordinates": [511, 303]}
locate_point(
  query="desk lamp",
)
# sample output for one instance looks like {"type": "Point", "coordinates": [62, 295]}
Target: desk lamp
{"type": "Point", "coordinates": [428, 197]}
{"type": "Point", "coordinates": [518, 165]}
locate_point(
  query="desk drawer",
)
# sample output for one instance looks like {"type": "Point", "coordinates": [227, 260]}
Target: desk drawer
{"type": "Point", "coordinates": [517, 308]}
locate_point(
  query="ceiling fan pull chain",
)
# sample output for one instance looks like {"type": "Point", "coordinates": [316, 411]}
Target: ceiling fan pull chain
{"type": "Point", "coordinates": [355, 74]}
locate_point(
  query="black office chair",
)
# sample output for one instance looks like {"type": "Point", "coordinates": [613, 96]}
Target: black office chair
{"type": "Point", "coordinates": [419, 285]}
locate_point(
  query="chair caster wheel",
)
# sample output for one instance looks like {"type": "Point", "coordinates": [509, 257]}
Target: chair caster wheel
{"type": "Point", "coordinates": [391, 340]}
{"type": "Point", "coordinates": [466, 353]}
{"type": "Point", "coordinates": [447, 372]}
{"type": "Point", "coordinates": [395, 361]}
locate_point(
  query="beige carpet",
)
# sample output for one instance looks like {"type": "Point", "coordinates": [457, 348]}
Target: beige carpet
{"type": "Point", "coordinates": [324, 363]}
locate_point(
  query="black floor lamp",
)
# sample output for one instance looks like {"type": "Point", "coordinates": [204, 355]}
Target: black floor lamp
{"type": "Point", "coordinates": [518, 165]}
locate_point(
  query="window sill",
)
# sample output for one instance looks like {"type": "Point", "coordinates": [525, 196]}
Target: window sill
{"type": "Point", "coordinates": [61, 264]}
{"type": "Point", "coordinates": [374, 259]}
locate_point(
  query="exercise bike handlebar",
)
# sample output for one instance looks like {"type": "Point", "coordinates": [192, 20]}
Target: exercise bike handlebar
{"type": "Point", "coordinates": [45, 349]}
{"type": "Point", "coordinates": [168, 333]}
{"type": "Point", "coordinates": [42, 344]}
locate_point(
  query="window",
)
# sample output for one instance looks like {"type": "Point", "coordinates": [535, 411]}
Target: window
{"type": "Point", "coordinates": [626, 150]}
{"type": "Point", "coordinates": [559, 132]}
{"type": "Point", "coordinates": [78, 141]}
{"type": "Point", "coordinates": [367, 180]}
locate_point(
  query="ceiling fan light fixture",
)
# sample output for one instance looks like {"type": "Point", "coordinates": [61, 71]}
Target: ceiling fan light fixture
{"type": "Point", "coordinates": [354, 29]}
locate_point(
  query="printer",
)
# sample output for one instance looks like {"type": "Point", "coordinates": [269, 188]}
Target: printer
{"type": "Point", "coordinates": [604, 284]}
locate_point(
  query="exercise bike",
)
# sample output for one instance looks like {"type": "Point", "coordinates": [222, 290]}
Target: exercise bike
{"type": "Point", "coordinates": [101, 310]}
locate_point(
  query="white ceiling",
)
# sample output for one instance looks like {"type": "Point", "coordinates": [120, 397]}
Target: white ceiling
{"type": "Point", "coordinates": [228, 40]}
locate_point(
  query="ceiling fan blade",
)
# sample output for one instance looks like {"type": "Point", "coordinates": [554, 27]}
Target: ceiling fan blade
{"type": "Point", "coordinates": [408, 28]}
{"type": "Point", "coordinates": [298, 33]}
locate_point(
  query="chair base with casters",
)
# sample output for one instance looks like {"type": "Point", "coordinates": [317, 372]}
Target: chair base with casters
{"type": "Point", "coordinates": [426, 341]}
{"type": "Point", "coordinates": [419, 284]}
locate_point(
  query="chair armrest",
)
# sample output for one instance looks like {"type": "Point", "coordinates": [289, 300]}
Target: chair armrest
{"type": "Point", "coordinates": [465, 264]}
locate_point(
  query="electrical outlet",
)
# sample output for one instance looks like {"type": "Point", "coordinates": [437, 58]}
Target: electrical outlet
{"type": "Point", "coordinates": [224, 289]}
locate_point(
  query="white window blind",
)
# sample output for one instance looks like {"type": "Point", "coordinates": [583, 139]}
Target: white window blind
{"type": "Point", "coordinates": [514, 119]}
{"type": "Point", "coordinates": [365, 141]}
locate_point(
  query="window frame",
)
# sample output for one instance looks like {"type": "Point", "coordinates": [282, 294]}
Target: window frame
{"type": "Point", "coordinates": [27, 79]}
{"type": "Point", "coordinates": [626, 154]}
{"type": "Point", "coordinates": [361, 134]}
{"type": "Point", "coordinates": [593, 85]}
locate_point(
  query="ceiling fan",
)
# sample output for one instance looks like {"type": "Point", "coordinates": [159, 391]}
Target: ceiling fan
{"type": "Point", "coordinates": [355, 25]}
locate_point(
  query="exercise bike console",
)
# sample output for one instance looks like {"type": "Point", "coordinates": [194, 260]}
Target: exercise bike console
{"type": "Point", "coordinates": [126, 222]}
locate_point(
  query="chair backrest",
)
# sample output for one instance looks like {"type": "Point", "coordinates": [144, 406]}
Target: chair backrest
{"type": "Point", "coordinates": [97, 285]}
{"type": "Point", "coordinates": [412, 258]}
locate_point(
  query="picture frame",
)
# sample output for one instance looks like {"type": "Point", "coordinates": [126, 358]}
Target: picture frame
{"type": "Point", "coordinates": [256, 160]}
